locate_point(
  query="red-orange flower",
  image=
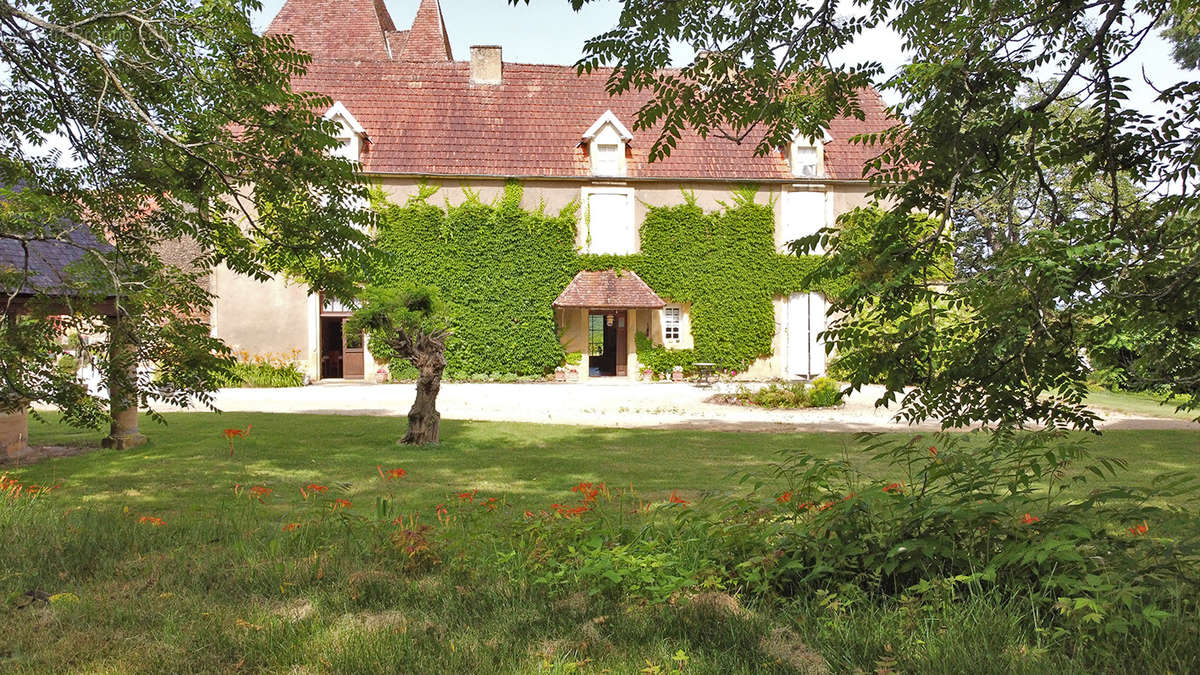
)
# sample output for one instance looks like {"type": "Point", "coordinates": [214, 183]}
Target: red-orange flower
{"type": "Point", "coordinates": [490, 503]}
{"type": "Point", "coordinates": [1139, 529]}
{"type": "Point", "coordinates": [933, 451]}
{"type": "Point", "coordinates": [261, 491]}
{"type": "Point", "coordinates": [391, 474]}
{"type": "Point", "coordinates": [343, 503]}
{"type": "Point", "coordinates": [1029, 520]}
{"type": "Point", "coordinates": [893, 487]}
{"type": "Point", "coordinates": [313, 487]}
{"type": "Point", "coordinates": [467, 496]}
{"type": "Point", "coordinates": [529, 514]}
{"type": "Point", "coordinates": [157, 522]}
{"type": "Point", "coordinates": [785, 497]}
{"type": "Point", "coordinates": [676, 499]}
{"type": "Point", "coordinates": [290, 527]}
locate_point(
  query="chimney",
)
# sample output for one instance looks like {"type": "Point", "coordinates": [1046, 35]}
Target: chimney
{"type": "Point", "coordinates": [486, 65]}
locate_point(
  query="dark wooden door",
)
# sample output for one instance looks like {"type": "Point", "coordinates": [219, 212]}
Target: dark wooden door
{"type": "Point", "coordinates": [352, 355]}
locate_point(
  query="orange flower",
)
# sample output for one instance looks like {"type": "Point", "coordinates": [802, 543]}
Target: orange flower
{"type": "Point", "coordinates": [261, 491]}
{"type": "Point", "coordinates": [231, 434]}
{"type": "Point", "coordinates": [467, 496]}
{"type": "Point", "coordinates": [393, 474]}
{"type": "Point", "coordinates": [490, 504]}
{"type": "Point", "coordinates": [313, 487]}
{"type": "Point", "coordinates": [785, 497]}
{"type": "Point", "coordinates": [529, 514]}
{"type": "Point", "coordinates": [1139, 529]}
{"type": "Point", "coordinates": [893, 487]}
{"type": "Point", "coordinates": [676, 499]}
{"type": "Point", "coordinates": [290, 527]}
{"type": "Point", "coordinates": [343, 503]}
{"type": "Point", "coordinates": [932, 451]}
{"type": "Point", "coordinates": [442, 513]}
{"type": "Point", "coordinates": [157, 522]}
{"type": "Point", "coordinates": [1029, 520]}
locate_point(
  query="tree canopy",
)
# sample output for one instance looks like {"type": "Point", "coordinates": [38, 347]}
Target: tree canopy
{"type": "Point", "coordinates": [992, 96]}
{"type": "Point", "coordinates": [167, 123]}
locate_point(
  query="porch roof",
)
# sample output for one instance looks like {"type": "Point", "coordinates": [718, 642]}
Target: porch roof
{"type": "Point", "coordinates": [609, 289]}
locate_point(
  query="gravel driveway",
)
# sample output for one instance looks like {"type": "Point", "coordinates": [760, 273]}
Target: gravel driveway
{"type": "Point", "coordinates": [605, 403]}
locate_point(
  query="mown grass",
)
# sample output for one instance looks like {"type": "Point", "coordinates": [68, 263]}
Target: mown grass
{"type": "Point", "coordinates": [223, 587]}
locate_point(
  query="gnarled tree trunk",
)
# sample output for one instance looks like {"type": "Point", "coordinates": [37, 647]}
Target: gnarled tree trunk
{"type": "Point", "coordinates": [424, 420]}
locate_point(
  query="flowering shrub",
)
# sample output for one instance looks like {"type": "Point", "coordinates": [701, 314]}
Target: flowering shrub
{"type": "Point", "coordinates": [822, 393]}
{"type": "Point", "coordinates": [269, 370]}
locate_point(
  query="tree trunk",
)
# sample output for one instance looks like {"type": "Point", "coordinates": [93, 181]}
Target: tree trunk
{"type": "Point", "coordinates": [122, 388]}
{"type": "Point", "coordinates": [424, 421]}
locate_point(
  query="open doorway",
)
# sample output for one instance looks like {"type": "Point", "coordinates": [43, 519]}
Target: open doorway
{"type": "Point", "coordinates": [607, 350]}
{"type": "Point", "coordinates": [341, 352]}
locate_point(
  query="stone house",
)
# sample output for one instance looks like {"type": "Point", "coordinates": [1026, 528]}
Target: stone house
{"type": "Point", "coordinates": [411, 114]}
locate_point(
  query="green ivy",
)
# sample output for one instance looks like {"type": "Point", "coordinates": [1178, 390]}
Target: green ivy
{"type": "Point", "coordinates": [500, 267]}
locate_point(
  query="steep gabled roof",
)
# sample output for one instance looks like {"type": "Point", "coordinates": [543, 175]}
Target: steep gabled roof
{"type": "Point", "coordinates": [351, 30]}
{"type": "Point", "coordinates": [609, 289]}
{"type": "Point", "coordinates": [427, 41]}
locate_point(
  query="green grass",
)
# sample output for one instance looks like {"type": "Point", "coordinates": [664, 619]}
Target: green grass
{"type": "Point", "coordinates": [222, 587]}
{"type": "Point", "coordinates": [1137, 403]}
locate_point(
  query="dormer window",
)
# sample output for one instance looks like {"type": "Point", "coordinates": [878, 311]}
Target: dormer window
{"type": "Point", "coordinates": [807, 156]}
{"type": "Point", "coordinates": [350, 134]}
{"type": "Point", "coordinates": [607, 140]}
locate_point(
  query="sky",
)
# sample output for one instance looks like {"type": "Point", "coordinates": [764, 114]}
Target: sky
{"type": "Point", "coordinates": [549, 31]}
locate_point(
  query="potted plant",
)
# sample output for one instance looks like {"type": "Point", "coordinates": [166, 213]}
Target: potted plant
{"type": "Point", "coordinates": [560, 374]}
{"type": "Point", "coordinates": [574, 361]}
{"type": "Point", "coordinates": [647, 374]}
{"type": "Point", "coordinates": [677, 374]}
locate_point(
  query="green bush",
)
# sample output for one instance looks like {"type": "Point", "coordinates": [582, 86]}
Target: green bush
{"type": "Point", "coordinates": [825, 393]}
{"type": "Point", "coordinates": [264, 372]}
{"type": "Point", "coordinates": [574, 358]}
{"type": "Point", "coordinates": [401, 370]}
{"type": "Point", "coordinates": [67, 365]}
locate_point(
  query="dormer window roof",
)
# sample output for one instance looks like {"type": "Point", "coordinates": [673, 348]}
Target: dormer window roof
{"type": "Point", "coordinates": [351, 134]}
{"type": "Point", "coordinates": [806, 155]}
{"type": "Point", "coordinates": [607, 139]}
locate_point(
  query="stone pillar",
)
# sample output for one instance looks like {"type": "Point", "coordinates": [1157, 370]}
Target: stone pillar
{"type": "Point", "coordinates": [584, 364]}
{"type": "Point", "coordinates": [14, 433]}
{"type": "Point", "coordinates": [631, 362]}
{"type": "Point", "coordinates": [122, 388]}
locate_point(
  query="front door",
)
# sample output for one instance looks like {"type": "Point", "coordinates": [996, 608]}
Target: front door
{"type": "Point", "coordinates": [606, 344]}
{"type": "Point", "coordinates": [352, 355]}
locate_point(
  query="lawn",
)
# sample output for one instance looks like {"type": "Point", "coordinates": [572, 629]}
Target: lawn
{"type": "Point", "coordinates": [384, 582]}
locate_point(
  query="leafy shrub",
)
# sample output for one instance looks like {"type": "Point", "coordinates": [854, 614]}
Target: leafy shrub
{"type": "Point", "coordinates": [401, 370]}
{"type": "Point", "coordinates": [67, 365]}
{"type": "Point", "coordinates": [574, 358]}
{"type": "Point", "coordinates": [824, 393]}
{"type": "Point", "coordinates": [662, 360]}
{"type": "Point", "coordinates": [264, 371]}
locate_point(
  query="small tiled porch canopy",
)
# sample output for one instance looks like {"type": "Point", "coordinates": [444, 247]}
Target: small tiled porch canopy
{"type": "Point", "coordinates": [609, 289]}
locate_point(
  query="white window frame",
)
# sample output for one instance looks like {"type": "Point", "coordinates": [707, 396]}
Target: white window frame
{"type": "Point", "coordinates": [607, 131]}
{"type": "Point", "coordinates": [586, 226]}
{"type": "Point", "coordinates": [672, 323]}
{"type": "Point", "coordinates": [352, 133]}
{"type": "Point", "coordinates": [801, 145]}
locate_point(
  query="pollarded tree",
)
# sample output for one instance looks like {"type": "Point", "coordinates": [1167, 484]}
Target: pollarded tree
{"type": "Point", "coordinates": [409, 323]}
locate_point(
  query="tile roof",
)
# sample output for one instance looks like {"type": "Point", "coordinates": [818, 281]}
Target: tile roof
{"type": "Point", "coordinates": [424, 117]}
{"type": "Point", "coordinates": [339, 29]}
{"type": "Point", "coordinates": [609, 289]}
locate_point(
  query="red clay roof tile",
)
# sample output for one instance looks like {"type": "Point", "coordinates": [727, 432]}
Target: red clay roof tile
{"type": "Point", "coordinates": [609, 289]}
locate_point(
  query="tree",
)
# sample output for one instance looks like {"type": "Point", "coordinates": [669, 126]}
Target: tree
{"type": "Point", "coordinates": [409, 323]}
{"type": "Point", "coordinates": [156, 122]}
{"type": "Point", "coordinates": [975, 115]}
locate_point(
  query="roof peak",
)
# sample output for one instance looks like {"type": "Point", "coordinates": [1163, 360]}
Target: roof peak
{"type": "Point", "coordinates": [337, 29]}
{"type": "Point", "coordinates": [427, 39]}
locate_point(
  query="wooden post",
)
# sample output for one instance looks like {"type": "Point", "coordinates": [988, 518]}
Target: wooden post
{"type": "Point", "coordinates": [122, 387]}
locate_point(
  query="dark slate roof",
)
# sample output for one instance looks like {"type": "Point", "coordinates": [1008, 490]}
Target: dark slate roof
{"type": "Point", "coordinates": [609, 289]}
{"type": "Point", "coordinates": [50, 261]}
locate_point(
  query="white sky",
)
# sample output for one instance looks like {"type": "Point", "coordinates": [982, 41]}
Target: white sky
{"type": "Point", "coordinates": [548, 31]}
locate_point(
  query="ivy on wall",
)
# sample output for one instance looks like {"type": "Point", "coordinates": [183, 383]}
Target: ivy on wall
{"type": "Point", "coordinates": [500, 267]}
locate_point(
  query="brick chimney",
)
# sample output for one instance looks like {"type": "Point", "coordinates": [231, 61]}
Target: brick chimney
{"type": "Point", "coordinates": [486, 65]}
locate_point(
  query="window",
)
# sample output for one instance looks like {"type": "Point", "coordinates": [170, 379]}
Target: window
{"type": "Point", "coordinates": [608, 161]}
{"type": "Point", "coordinates": [672, 321]}
{"type": "Point", "coordinates": [349, 136]}
{"type": "Point", "coordinates": [608, 221]}
{"type": "Point", "coordinates": [606, 141]}
{"type": "Point", "coordinates": [803, 213]}
{"type": "Point", "coordinates": [804, 161]}
{"type": "Point", "coordinates": [595, 335]}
